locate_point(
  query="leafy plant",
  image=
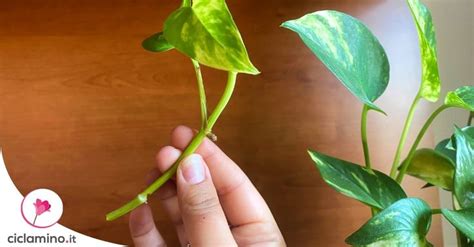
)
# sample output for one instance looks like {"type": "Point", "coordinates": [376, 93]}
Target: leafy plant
{"type": "Point", "coordinates": [354, 55]}
{"type": "Point", "coordinates": [204, 31]}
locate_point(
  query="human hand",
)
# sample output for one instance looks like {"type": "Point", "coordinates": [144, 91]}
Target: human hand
{"type": "Point", "coordinates": [211, 202]}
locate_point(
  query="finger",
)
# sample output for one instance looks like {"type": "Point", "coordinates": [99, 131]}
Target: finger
{"type": "Point", "coordinates": [202, 214]}
{"type": "Point", "coordinates": [143, 229]}
{"type": "Point", "coordinates": [241, 201]}
{"type": "Point", "coordinates": [167, 193]}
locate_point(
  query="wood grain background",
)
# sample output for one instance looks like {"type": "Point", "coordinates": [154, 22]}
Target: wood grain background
{"type": "Point", "coordinates": [84, 109]}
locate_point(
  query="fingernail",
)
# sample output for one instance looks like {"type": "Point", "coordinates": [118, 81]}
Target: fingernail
{"type": "Point", "coordinates": [193, 169]}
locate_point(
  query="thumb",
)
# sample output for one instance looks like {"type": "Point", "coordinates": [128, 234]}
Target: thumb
{"type": "Point", "coordinates": [202, 214]}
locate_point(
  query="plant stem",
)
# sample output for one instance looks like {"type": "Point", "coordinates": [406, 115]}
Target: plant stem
{"type": "Point", "coordinates": [423, 130]}
{"type": "Point", "coordinates": [186, 3]}
{"type": "Point", "coordinates": [436, 211]}
{"type": "Point", "coordinates": [403, 138]}
{"type": "Point", "coordinates": [34, 221]}
{"type": "Point", "coordinates": [363, 132]}
{"type": "Point", "coordinates": [191, 148]}
{"type": "Point", "coordinates": [202, 93]}
{"type": "Point", "coordinates": [471, 116]}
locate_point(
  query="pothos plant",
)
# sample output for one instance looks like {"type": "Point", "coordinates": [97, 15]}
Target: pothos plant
{"type": "Point", "coordinates": [355, 56]}
{"type": "Point", "coordinates": [204, 31]}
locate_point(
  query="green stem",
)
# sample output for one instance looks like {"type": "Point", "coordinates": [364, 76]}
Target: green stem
{"type": "Point", "coordinates": [436, 211]}
{"type": "Point", "coordinates": [365, 145]}
{"type": "Point", "coordinates": [471, 116]}
{"type": "Point", "coordinates": [403, 138]}
{"type": "Point", "coordinates": [186, 3]}
{"type": "Point", "coordinates": [202, 93]}
{"type": "Point", "coordinates": [423, 130]}
{"type": "Point", "coordinates": [191, 148]}
{"type": "Point", "coordinates": [363, 132]}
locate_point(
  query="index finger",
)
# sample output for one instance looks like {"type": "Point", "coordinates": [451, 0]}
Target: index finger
{"type": "Point", "coordinates": [240, 200]}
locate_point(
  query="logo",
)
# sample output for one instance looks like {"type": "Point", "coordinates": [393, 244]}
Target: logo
{"type": "Point", "coordinates": [42, 208]}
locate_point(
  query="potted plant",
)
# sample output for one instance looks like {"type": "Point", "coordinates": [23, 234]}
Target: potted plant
{"type": "Point", "coordinates": [204, 31]}
{"type": "Point", "coordinates": [355, 56]}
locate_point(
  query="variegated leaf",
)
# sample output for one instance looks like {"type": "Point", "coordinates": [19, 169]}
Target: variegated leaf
{"type": "Point", "coordinates": [430, 83]}
{"type": "Point", "coordinates": [463, 220]}
{"type": "Point", "coordinates": [348, 49]}
{"type": "Point", "coordinates": [403, 224]}
{"type": "Point", "coordinates": [462, 97]}
{"type": "Point", "coordinates": [370, 187]}
{"type": "Point", "coordinates": [432, 167]}
{"type": "Point", "coordinates": [464, 173]}
{"type": "Point", "coordinates": [207, 33]}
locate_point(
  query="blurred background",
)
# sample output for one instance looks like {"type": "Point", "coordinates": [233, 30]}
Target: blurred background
{"type": "Point", "coordinates": [84, 108]}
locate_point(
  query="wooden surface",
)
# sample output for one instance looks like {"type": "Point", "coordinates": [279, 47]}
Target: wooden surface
{"type": "Point", "coordinates": [84, 108]}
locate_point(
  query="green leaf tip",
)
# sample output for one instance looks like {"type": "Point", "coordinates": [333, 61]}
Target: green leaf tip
{"type": "Point", "coordinates": [462, 97]}
{"type": "Point", "coordinates": [157, 43]}
{"type": "Point", "coordinates": [207, 33]}
{"type": "Point", "coordinates": [442, 148]}
{"type": "Point", "coordinates": [430, 82]}
{"type": "Point", "coordinates": [405, 223]}
{"type": "Point", "coordinates": [451, 144]}
{"type": "Point", "coordinates": [370, 187]}
{"type": "Point", "coordinates": [463, 220]}
{"type": "Point", "coordinates": [348, 49]}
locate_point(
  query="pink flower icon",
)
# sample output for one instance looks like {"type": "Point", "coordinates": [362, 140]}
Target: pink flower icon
{"type": "Point", "coordinates": [41, 207]}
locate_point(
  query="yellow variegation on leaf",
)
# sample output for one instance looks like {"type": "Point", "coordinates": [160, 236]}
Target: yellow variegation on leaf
{"type": "Point", "coordinates": [206, 32]}
{"type": "Point", "coordinates": [430, 82]}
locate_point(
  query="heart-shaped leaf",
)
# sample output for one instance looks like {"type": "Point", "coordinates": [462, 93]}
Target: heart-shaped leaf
{"type": "Point", "coordinates": [370, 187]}
{"type": "Point", "coordinates": [464, 173]}
{"type": "Point", "coordinates": [462, 97]}
{"type": "Point", "coordinates": [463, 220]}
{"type": "Point", "coordinates": [207, 33]}
{"type": "Point", "coordinates": [430, 83]}
{"type": "Point", "coordinates": [443, 149]}
{"type": "Point", "coordinates": [348, 49]}
{"type": "Point", "coordinates": [405, 223]}
{"type": "Point", "coordinates": [157, 43]}
{"type": "Point", "coordinates": [432, 167]}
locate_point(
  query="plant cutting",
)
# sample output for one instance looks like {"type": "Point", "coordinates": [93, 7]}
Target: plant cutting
{"type": "Point", "coordinates": [354, 55]}
{"type": "Point", "coordinates": [204, 31]}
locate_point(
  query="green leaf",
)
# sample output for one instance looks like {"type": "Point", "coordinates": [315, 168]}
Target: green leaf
{"type": "Point", "coordinates": [463, 220]}
{"type": "Point", "coordinates": [405, 223]}
{"type": "Point", "coordinates": [157, 43]}
{"type": "Point", "coordinates": [464, 173]}
{"type": "Point", "coordinates": [432, 167]}
{"type": "Point", "coordinates": [442, 148]}
{"type": "Point", "coordinates": [428, 185]}
{"type": "Point", "coordinates": [348, 49]}
{"type": "Point", "coordinates": [462, 97]}
{"type": "Point", "coordinates": [370, 187]}
{"type": "Point", "coordinates": [468, 130]}
{"type": "Point", "coordinates": [207, 33]}
{"type": "Point", "coordinates": [430, 83]}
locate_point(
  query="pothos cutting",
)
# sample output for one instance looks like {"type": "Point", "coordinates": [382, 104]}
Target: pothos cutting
{"type": "Point", "coordinates": [204, 31]}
